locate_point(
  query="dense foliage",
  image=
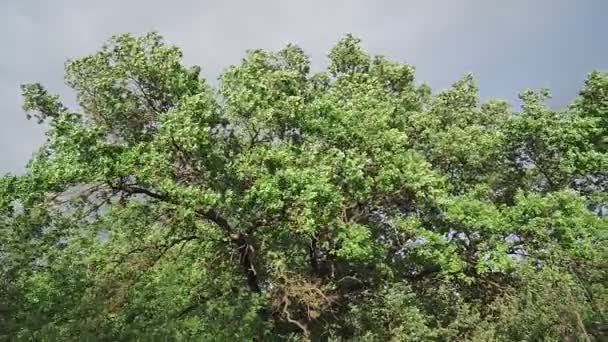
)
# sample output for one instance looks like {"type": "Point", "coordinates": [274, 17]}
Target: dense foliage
{"type": "Point", "coordinates": [349, 204]}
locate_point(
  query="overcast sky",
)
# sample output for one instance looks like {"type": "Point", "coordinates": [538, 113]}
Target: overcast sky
{"type": "Point", "coordinates": [508, 45]}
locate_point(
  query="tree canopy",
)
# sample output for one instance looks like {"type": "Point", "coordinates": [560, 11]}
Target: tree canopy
{"type": "Point", "coordinates": [285, 204]}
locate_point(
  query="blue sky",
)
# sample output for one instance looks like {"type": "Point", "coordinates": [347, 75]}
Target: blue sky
{"type": "Point", "coordinates": [508, 45]}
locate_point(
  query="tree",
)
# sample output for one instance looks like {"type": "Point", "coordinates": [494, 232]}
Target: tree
{"type": "Point", "coordinates": [350, 204]}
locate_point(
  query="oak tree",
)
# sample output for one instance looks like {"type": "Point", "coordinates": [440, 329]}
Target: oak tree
{"type": "Point", "coordinates": [285, 204]}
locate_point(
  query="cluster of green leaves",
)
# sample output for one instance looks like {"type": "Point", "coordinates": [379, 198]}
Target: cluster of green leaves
{"type": "Point", "coordinates": [348, 204]}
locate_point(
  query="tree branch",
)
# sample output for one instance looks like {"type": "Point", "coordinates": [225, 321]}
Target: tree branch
{"type": "Point", "coordinates": [245, 249]}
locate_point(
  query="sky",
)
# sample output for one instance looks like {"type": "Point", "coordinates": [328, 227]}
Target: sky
{"type": "Point", "coordinates": [508, 45]}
